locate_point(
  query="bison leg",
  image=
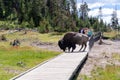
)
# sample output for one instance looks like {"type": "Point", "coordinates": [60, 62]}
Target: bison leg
{"type": "Point", "coordinates": [69, 49]}
{"type": "Point", "coordinates": [85, 47]}
{"type": "Point", "coordinates": [81, 47]}
{"type": "Point", "coordinates": [73, 47]}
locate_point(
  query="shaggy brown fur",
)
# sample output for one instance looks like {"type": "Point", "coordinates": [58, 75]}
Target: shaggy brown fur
{"type": "Point", "coordinates": [70, 40]}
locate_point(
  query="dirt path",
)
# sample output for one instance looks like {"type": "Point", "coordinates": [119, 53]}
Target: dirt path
{"type": "Point", "coordinates": [101, 55]}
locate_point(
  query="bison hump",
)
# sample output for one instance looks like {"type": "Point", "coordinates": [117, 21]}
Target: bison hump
{"type": "Point", "coordinates": [69, 36]}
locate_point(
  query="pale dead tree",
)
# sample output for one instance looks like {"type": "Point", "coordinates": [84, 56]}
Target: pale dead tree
{"type": "Point", "coordinates": [84, 11]}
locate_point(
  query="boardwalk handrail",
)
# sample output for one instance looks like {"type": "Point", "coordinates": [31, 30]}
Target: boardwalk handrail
{"type": "Point", "coordinates": [94, 38]}
{"type": "Point", "coordinates": [97, 36]}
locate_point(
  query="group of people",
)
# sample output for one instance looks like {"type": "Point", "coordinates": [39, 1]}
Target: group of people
{"type": "Point", "coordinates": [86, 31]}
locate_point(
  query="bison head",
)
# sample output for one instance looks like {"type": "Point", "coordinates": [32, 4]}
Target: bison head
{"type": "Point", "coordinates": [61, 45]}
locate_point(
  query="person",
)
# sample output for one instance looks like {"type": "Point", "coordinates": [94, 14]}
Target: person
{"type": "Point", "coordinates": [90, 33]}
{"type": "Point", "coordinates": [83, 30]}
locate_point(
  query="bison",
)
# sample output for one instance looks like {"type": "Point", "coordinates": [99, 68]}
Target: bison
{"type": "Point", "coordinates": [70, 40]}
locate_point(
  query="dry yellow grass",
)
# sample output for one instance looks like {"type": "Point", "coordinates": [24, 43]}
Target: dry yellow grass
{"type": "Point", "coordinates": [111, 34]}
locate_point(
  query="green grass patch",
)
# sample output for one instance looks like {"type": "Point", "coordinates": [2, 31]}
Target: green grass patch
{"type": "Point", "coordinates": [109, 73]}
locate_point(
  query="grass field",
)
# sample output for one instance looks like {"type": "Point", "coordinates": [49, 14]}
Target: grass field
{"type": "Point", "coordinates": [14, 60]}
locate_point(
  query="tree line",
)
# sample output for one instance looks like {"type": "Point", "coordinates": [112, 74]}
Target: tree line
{"type": "Point", "coordinates": [47, 15]}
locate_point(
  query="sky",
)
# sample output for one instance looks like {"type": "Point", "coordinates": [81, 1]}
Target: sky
{"type": "Point", "coordinates": [108, 6]}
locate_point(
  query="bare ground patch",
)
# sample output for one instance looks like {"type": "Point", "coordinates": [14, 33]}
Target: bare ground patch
{"type": "Point", "coordinates": [46, 45]}
{"type": "Point", "coordinates": [100, 56]}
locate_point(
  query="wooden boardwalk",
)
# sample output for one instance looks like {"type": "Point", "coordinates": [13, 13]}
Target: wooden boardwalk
{"type": "Point", "coordinates": [62, 67]}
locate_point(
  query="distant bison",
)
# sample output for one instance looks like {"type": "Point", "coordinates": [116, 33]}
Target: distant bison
{"type": "Point", "coordinates": [70, 40]}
